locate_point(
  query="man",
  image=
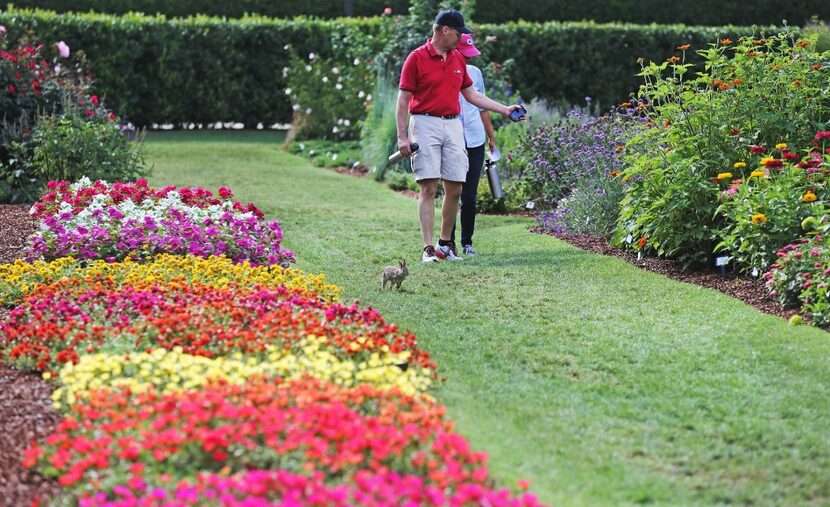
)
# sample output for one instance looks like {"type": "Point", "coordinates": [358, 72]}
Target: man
{"type": "Point", "coordinates": [477, 129]}
{"type": "Point", "coordinates": [431, 79]}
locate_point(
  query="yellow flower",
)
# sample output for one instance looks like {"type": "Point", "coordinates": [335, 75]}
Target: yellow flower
{"type": "Point", "coordinates": [758, 174]}
{"type": "Point", "coordinates": [739, 165]}
{"type": "Point", "coordinates": [781, 146]}
{"type": "Point", "coordinates": [723, 176]}
{"type": "Point", "coordinates": [759, 218]}
{"type": "Point", "coordinates": [809, 197]}
{"type": "Point", "coordinates": [766, 159]}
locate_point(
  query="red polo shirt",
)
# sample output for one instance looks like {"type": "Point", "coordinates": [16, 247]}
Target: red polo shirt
{"type": "Point", "coordinates": [434, 81]}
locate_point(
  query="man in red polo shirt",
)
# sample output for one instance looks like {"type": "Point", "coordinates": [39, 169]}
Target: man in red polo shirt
{"type": "Point", "coordinates": [431, 79]}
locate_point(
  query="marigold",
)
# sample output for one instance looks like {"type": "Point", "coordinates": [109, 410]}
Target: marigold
{"type": "Point", "coordinates": [781, 146]}
{"type": "Point", "coordinates": [759, 218]}
{"type": "Point", "coordinates": [758, 174]}
{"type": "Point", "coordinates": [809, 197]}
{"type": "Point", "coordinates": [739, 165]}
{"type": "Point", "coordinates": [642, 242]}
{"type": "Point", "coordinates": [726, 42]}
{"type": "Point", "coordinates": [723, 176]}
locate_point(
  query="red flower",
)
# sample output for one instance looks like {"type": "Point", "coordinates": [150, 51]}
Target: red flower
{"type": "Point", "coordinates": [94, 99]}
{"type": "Point", "coordinates": [112, 116]}
{"type": "Point", "coordinates": [12, 89]}
{"type": "Point", "coordinates": [754, 149]}
{"type": "Point", "coordinates": [225, 193]}
{"type": "Point", "coordinates": [89, 112]}
{"type": "Point", "coordinates": [822, 135]}
{"type": "Point", "coordinates": [773, 163]}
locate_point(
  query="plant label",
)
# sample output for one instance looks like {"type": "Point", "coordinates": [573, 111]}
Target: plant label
{"type": "Point", "coordinates": [530, 205]}
{"type": "Point", "coordinates": [722, 261]}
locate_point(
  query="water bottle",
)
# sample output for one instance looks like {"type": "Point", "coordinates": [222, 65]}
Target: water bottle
{"type": "Point", "coordinates": [493, 180]}
{"type": "Point", "coordinates": [397, 157]}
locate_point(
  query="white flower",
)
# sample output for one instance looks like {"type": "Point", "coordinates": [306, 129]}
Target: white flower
{"type": "Point", "coordinates": [334, 130]}
{"type": "Point", "coordinates": [286, 47]}
{"type": "Point", "coordinates": [295, 107]}
{"type": "Point", "coordinates": [347, 122]}
{"type": "Point", "coordinates": [334, 156]}
{"type": "Point", "coordinates": [58, 69]}
{"type": "Point", "coordinates": [361, 94]}
{"type": "Point", "coordinates": [340, 121]}
{"type": "Point", "coordinates": [308, 68]}
{"type": "Point", "coordinates": [311, 56]}
{"type": "Point", "coordinates": [335, 70]}
{"type": "Point", "coordinates": [338, 86]}
{"type": "Point", "coordinates": [369, 97]}
{"type": "Point", "coordinates": [325, 79]}
{"type": "Point", "coordinates": [357, 61]}
{"type": "Point", "coordinates": [288, 91]}
{"type": "Point", "coordinates": [308, 111]}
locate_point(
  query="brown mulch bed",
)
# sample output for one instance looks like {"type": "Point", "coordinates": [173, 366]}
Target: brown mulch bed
{"type": "Point", "coordinates": [26, 411]}
{"type": "Point", "coordinates": [749, 290]}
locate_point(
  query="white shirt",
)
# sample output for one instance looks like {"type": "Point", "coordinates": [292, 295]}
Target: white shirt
{"type": "Point", "coordinates": [474, 134]}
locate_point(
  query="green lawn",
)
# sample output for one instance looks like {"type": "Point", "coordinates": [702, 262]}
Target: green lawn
{"type": "Point", "coordinates": [600, 383]}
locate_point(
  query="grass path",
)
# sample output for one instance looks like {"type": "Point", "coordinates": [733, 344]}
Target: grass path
{"type": "Point", "coordinates": [601, 383]}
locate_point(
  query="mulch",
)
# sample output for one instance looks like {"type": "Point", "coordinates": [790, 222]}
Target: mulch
{"type": "Point", "coordinates": [26, 413]}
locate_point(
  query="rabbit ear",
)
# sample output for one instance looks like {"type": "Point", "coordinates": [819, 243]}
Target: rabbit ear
{"type": "Point", "coordinates": [403, 263]}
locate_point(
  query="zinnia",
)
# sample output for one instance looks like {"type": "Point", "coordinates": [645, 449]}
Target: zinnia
{"type": "Point", "coordinates": [757, 174]}
{"type": "Point", "coordinates": [809, 197]}
{"type": "Point", "coordinates": [739, 165]}
{"type": "Point", "coordinates": [759, 218]}
{"type": "Point", "coordinates": [63, 49]}
{"type": "Point", "coordinates": [723, 176]}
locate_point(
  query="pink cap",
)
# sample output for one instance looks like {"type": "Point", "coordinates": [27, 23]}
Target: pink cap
{"type": "Point", "coordinates": [466, 46]}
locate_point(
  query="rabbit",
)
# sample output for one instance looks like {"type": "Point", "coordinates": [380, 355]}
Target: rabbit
{"type": "Point", "coordinates": [395, 275]}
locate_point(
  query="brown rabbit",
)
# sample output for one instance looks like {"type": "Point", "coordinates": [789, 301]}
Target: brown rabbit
{"type": "Point", "coordinates": [395, 275]}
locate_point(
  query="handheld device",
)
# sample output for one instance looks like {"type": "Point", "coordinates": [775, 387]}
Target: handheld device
{"type": "Point", "coordinates": [518, 114]}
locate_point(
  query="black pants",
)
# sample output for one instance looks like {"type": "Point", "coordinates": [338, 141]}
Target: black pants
{"type": "Point", "coordinates": [468, 195]}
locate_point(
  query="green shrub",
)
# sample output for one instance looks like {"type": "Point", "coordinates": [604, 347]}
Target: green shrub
{"type": "Point", "coordinates": [379, 137]}
{"type": "Point", "coordinates": [401, 181]}
{"type": "Point", "coordinates": [753, 92]}
{"type": "Point", "coordinates": [69, 147]}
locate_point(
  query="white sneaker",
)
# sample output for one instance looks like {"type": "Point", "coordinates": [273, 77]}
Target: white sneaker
{"type": "Point", "coordinates": [429, 254]}
{"type": "Point", "coordinates": [468, 250]}
{"type": "Point", "coordinates": [447, 252]}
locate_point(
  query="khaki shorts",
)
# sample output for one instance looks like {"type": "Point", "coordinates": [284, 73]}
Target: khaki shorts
{"type": "Point", "coordinates": [441, 150]}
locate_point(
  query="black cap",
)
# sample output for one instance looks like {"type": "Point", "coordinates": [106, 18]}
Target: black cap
{"type": "Point", "coordinates": [453, 19]}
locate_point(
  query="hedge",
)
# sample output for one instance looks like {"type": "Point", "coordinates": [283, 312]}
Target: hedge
{"type": "Point", "coordinates": [699, 12]}
{"type": "Point", "coordinates": [198, 69]}
{"type": "Point", "coordinates": [207, 69]}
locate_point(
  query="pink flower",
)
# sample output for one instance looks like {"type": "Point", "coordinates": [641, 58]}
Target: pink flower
{"type": "Point", "coordinates": [387, 11]}
{"type": "Point", "coordinates": [63, 49]}
{"type": "Point", "coordinates": [225, 193]}
{"type": "Point", "coordinates": [822, 135]}
{"type": "Point", "coordinates": [2, 29]}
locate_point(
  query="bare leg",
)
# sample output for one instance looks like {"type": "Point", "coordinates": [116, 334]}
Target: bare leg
{"type": "Point", "coordinates": [426, 209]}
{"type": "Point", "coordinates": [449, 208]}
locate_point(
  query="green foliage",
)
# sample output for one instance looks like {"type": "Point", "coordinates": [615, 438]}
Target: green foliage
{"type": "Point", "coordinates": [69, 147]}
{"type": "Point", "coordinates": [702, 12]}
{"type": "Point", "coordinates": [401, 181]}
{"type": "Point", "coordinates": [327, 153]}
{"type": "Point", "coordinates": [379, 137]}
{"type": "Point", "coordinates": [754, 92]}
{"type": "Point", "coordinates": [801, 277]}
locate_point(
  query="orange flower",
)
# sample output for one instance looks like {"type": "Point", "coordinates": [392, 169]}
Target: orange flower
{"type": "Point", "coordinates": [752, 53]}
{"type": "Point", "coordinates": [642, 242]}
{"type": "Point", "coordinates": [613, 173]}
{"type": "Point", "coordinates": [734, 132]}
{"type": "Point", "coordinates": [683, 47]}
{"type": "Point", "coordinates": [809, 197]}
{"type": "Point", "coordinates": [816, 66]}
{"type": "Point", "coordinates": [736, 82]}
{"type": "Point", "coordinates": [726, 42]}
{"type": "Point", "coordinates": [625, 104]}
{"type": "Point", "coordinates": [640, 107]}
{"type": "Point", "coordinates": [803, 43]}
{"type": "Point", "coordinates": [673, 59]}
{"type": "Point", "coordinates": [759, 41]}
{"type": "Point", "coordinates": [797, 84]}
{"type": "Point", "coordinates": [724, 86]}
{"type": "Point", "coordinates": [776, 67]}
{"type": "Point", "coordinates": [667, 124]}
{"type": "Point", "coordinates": [716, 83]}
{"type": "Point", "coordinates": [619, 148]}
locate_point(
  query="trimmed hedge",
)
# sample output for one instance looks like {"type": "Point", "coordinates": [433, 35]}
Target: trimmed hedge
{"type": "Point", "coordinates": [700, 12]}
{"type": "Point", "coordinates": [569, 61]}
{"type": "Point", "coordinates": [151, 69]}
{"type": "Point", "coordinates": [207, 69]}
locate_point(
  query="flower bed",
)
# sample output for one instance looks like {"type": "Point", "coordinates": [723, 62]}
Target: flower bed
{"type": "Point", "coordinates": [198, 379]}
{"type": "Point", "coordinates": [99, 221]}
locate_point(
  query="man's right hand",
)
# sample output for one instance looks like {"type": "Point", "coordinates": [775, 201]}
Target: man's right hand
{"type": "Point", "coordinates": [405, 146]}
